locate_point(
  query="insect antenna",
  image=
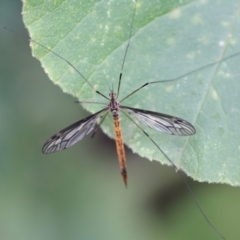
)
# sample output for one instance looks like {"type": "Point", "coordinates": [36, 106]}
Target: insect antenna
{"type": "Point", "coordinates": [126, 50]}
{"type": "Point", "coordinates": [107, 85]}
{"type": "Point", "coordinates": [59, 56]}
{"type": "Point", "coordinates": [180, 174]}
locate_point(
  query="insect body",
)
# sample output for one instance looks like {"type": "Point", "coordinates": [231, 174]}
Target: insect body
{"type": "Point", "coordinates": [77, 131]}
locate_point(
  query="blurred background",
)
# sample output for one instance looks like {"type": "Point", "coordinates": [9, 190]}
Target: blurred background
{"type": "Point", "coordinates": [78, 193]}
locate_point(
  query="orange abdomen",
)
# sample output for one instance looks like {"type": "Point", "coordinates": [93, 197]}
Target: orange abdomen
{"type": "Point", "coordinates": [120, 148]}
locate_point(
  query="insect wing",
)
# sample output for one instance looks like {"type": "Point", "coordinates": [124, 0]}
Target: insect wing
{"type": "Point", "coordinates": [72, 134]}
{"type": "Point", "coordinates": [162, 122]}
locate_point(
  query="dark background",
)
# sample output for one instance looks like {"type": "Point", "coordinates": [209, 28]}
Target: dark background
{"type": "Point", "coordinates": [79, 193]}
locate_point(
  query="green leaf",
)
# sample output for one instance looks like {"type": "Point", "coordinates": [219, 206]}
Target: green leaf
{"type": "Point", "coordinates": [169, 39]}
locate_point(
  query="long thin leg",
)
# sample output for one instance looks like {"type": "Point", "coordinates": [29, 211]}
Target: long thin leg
{"type": "Point", "coordinates": [126, 50]}
{"type": "Point", "coordinates": [182, 76]}
{"type": "Point", "coordinates": [65, 60]}
{"type": "Point", "coordinates": [89, 102]}
{"type": "Point", "coordinates": [98, 125]}
{"type": "Point", "coordinates": [180, 174]}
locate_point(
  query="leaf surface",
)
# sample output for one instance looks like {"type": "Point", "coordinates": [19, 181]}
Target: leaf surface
{"type": "Point", "coordinates": [169, 39]}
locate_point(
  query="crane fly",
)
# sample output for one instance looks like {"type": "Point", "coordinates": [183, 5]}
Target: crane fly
{"type": "Point", "coordinates": [77, 131]}
{"type": "Point", "coordinates": [158, 121]}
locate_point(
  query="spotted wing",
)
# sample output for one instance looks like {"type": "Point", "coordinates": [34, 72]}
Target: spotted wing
{"type": "Point", "coordinates": [162, 122]}
{"type": "Point", "coordinates": [72, 134]}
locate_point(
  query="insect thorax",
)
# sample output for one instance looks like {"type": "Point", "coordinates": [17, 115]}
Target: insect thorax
{"type": "Point", "coordinates": [113, 104]}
